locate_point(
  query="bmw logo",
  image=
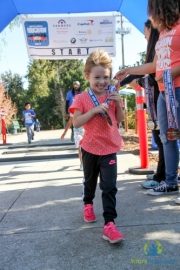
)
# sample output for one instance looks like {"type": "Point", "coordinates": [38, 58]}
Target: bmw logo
{"type": "Point", "coordinates": [73, 40]}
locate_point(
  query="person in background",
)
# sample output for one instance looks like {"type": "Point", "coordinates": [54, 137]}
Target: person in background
{"type": "Point", "coordinates": [78, 135]}
{"type": "Point", "coordinates": [152, 36]}
{"type": "Point", "coordinates": [101, 140]}
{"type": "Point", "coordinates": [69, 100]}
{"type": "Point", "coordinates": [28, 116]}
{"type": "Point", "coordinates": [164, 16]}
{"type": "Point", "coordinates": [38, 125]}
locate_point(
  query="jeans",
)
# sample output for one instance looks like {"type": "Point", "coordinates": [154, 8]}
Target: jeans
{"type": "Point", "coordinates": [29, 131]}
{"type": "Point", "coordinates": [171, 149]}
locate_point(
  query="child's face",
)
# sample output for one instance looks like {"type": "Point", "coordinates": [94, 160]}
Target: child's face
{"type": "Point", "coordinates": [99, 79]}
{"type": "Point", "coordinates": [28, 106]}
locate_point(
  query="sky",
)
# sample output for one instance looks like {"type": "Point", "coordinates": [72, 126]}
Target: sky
{"type": "Point", "coordinates": [14, 55]}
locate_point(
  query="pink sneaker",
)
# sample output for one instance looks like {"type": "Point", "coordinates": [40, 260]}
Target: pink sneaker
{"type": "Point", "coordinates": [111, 233]}
{"type": "Point", "coordinates": [89, 215]}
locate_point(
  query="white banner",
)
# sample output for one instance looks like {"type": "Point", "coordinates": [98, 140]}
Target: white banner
{"type": "Point", "coordinates": [69, 37]}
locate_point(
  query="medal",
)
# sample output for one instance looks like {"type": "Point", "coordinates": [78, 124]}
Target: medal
{"type": "Point", "coordinates": [173, 134]}
{"type": "Point", "coordinates": [156, 125]}
{"type": "Point", "coordinates": [106, 115]}
{"type": "Point", "coordinates": [151, 125]}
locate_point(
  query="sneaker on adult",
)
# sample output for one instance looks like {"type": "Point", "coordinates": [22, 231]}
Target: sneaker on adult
{"type": "Point", "coordinates": [150, 176]}
{"type": "Point", "coordinates": [29, 142]}
{"type": "Point", "coordinates": [89, 215]}
{"type": "Point", "coordinates": [111, 233]}
{"type": "Point", "coordinates": [163, 189]}
{"type": "Point", "coordinates": [177, 200]}
{"type": "Point", "coordinates": [81, 167]}
{"type": "Point", "coordinates": [150, 184]}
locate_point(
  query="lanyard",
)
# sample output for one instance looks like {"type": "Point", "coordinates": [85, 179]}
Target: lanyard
{"type": "Point", "coordinates": [150, 100]}
{"type": "Point", "coordinates": [170, 100]}
{"type": "Point", "coordinates": [110, 88]}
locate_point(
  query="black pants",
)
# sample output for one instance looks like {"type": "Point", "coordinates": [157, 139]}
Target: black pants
{"type": "Point", "coordinates": [160, 173]}
{"type": "Point", "coordinates": [106, 166]}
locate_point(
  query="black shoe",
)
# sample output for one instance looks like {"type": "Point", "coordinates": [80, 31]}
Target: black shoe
{"type": "Point", "coordinates": [163, 189]}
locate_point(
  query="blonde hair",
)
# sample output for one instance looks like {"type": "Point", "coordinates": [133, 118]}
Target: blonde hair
{"type": "Point", "coordinates": [98, 58]}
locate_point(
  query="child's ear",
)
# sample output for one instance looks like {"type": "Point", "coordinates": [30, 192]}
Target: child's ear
{"type": "Point", "coordinates": [86, 76]}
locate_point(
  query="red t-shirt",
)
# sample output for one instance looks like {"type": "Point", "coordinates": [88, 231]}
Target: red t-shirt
{"type": "Point", "coordinates": [168, 53]}
{"type": "Point", "coordinates": [99, 137]}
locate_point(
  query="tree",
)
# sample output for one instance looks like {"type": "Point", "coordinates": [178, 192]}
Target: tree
{"type": "Point", "coordinates": [9, 107]}
{"type": "Point", "coordinates": [15, 90]}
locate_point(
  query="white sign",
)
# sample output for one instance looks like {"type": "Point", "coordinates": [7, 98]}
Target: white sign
{"type": "Point", "coordinates": [70, 37]}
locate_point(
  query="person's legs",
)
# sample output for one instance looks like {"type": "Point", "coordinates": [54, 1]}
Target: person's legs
{"type": "Point", "coordinates": [91, 171]}
{"type": "Point", "coordinates": [28, 131]}
{"type": "Point", "coordinates": [69, 123]}
{"type": "Point", "coordinates": [32, 131]}
{"type": "Point", "coordinates": [171, 151]}
{"type": "Point", "coordinates": [160, 173]}
{"type": "Point", "coordinates": [108, 176]}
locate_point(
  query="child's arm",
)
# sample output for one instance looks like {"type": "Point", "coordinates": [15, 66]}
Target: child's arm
{"type": "Point", "coordinates": [80, 119]}
{"type": "Point", "coordinates": [119, 112]}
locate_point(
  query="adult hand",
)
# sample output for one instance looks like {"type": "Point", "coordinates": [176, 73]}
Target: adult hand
{"type": "Point", "coordinates": [67, 116]}
{"type": "Point", "coordinates": [133, 84]}
{"type": "Point", "coordinates": [121, 75]}
{"type": "Point", "coordinates": [160, 79]}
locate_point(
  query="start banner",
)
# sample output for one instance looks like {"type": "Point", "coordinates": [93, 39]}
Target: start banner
{"type": "Point", "coordinates": [69, 37]}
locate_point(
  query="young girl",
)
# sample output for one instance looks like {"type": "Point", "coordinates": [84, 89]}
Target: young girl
{"type": "Point", "coordinates": [164, 16]}
{"type": "Point", "coordinates": [101, 140]}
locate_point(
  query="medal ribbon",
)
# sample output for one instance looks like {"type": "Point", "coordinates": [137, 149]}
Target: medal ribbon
{"type": "Point", "coordinates": [150, 100]}
{"type": "Point", "coordinates": [170, 100]}
{"type": "Point", "coordinates": [110, 88]}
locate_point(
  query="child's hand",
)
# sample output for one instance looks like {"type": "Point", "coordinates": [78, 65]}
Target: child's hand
{"type": "Point", "coordinates": [102, 108]}
{"type": "Point", "coordinates": [115, 96]}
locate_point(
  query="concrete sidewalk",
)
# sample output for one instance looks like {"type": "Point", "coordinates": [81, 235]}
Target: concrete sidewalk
{"type": "Point", "coordinates": [41, 221]}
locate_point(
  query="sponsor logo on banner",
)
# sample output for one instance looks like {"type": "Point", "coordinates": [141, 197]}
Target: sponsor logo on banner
{"type": "Point", "coordinates": [60, 41]}
{"type": "Point", "coordinates": [88, 32]}
{"type": "Point", "coordinates": [96, 40]}
{"type": "Point", "coordinates": [104, 32]}
{"type": "Point", "coordinates": [109, 39]}
{"type": "Point", "coordinates": [73, 40]}
{"type": "Point", "coordinates": [61, 23]}
{"type": "Point", "coordinates": [86, 23]}
{"type": "Point", "coordinates": [83, 40]}
{"type": "Point", "coordinates": [106, 23]}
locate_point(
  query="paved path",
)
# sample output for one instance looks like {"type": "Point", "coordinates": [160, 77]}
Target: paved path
{"type": "Point", "coordinates": [42, 227]}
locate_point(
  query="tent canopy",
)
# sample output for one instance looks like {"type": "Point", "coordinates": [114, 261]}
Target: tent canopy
{"type": "Point", "coordinates": [135, 12]}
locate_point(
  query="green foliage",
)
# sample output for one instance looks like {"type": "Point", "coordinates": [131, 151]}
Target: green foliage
{"type": "Point", "coordinates": [14, 87]}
